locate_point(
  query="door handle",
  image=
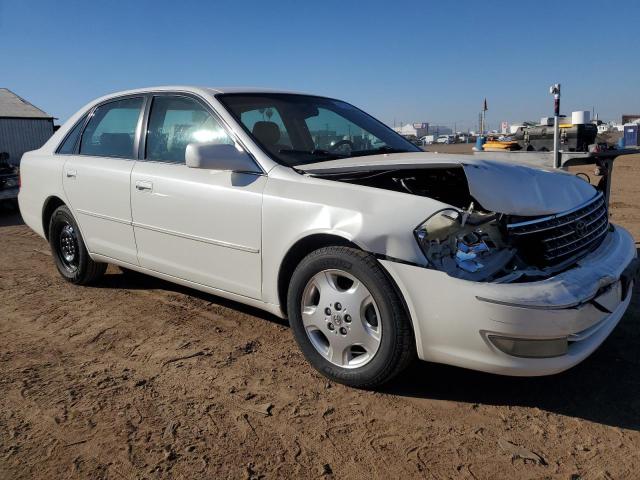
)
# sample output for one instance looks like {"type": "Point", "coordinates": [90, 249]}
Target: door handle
{"type": "Point", "coordinates": [142, 185]}
{"type": "Point", "coordinates": [71, 173]}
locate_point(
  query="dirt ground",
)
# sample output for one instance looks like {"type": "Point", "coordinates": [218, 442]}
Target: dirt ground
{"type": "Point", "coordinates": [138, 378]}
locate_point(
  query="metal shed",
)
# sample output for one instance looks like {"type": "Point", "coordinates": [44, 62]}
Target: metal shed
{"type": "Point", "coordinates": [23, 127]}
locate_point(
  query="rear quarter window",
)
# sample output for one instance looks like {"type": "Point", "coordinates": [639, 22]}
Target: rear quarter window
{"type": "Point", "coordinates": [68, 146]}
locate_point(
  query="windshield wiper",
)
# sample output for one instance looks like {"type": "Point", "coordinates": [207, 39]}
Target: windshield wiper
{"type": "Point", "coordinates": [328, 155]}
{"type": "Point", "coordinates": [314, 153]}
{"type": "Point", "coordinates": [375, 151]}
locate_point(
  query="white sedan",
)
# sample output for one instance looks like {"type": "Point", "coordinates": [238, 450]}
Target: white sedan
{"type": "Point", "coordinates": [309, 208]}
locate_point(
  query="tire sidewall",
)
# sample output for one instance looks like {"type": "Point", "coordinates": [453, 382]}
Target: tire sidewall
{"type": "Point", "coordinates": [61, 216]}
{"type": "Point", "coordinates": [382, 291]}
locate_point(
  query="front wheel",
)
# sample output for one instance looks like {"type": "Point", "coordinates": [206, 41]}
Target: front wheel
{"type": "Point", "coordinates": [348, 319]}
{"type": "Point", "coordinates": [69, 252]}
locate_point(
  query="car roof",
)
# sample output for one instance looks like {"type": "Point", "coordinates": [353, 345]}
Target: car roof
{"type": "Point", "coordinates": [253, 90]}
{"type": "Point", "coordinates": [201, 90]}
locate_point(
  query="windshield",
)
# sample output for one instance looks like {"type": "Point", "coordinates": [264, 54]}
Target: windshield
{"type": "Point", "coordinates": [303, 129]}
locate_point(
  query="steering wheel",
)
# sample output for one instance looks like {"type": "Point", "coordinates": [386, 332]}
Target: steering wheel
{"type": "Point", "coordinates": [341, 143]}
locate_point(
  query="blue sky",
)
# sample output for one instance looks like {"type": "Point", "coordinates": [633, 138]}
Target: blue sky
{"type": "Point", "coordinates": [408, 61]}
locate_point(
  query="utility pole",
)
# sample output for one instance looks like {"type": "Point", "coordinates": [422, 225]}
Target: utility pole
{"type": "Point", "coordinates": [555, 91]}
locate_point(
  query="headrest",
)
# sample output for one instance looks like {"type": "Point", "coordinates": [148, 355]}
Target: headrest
{"type": "Point", "coordinates": [267, 132]}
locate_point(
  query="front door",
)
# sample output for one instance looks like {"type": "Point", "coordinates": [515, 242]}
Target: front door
{"type": "Point", "coordinates": [195, 224]}
{"type": "Point", "coordinates": [96, 178]}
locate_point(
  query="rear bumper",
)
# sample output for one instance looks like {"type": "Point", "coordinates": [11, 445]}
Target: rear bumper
{"type": "Point", "coordinates": [454, 319]}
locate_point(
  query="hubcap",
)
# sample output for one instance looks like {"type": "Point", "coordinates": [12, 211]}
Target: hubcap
{"type": "Point", "coordinates": [341, 318]}
{"type": "Point", "coordinates": [68, 247]}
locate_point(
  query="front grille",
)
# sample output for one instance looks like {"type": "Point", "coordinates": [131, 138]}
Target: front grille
{"type": "Point", "coordinates": [556, 238]}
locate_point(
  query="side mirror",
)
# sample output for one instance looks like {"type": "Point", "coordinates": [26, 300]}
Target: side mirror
{"type": "Point", "coordinates": [215, 156]}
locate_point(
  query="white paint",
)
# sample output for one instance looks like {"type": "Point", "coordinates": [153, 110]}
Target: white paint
{"type": "Point", "coordinates": [201, 225]}
{"type": "Point", "coordinates": [98, 195]}
{"type": "Point", "coordinates": [451, 323]}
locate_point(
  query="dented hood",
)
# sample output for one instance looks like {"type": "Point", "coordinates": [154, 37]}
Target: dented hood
{"type": "Point", "coordinates": [498, 185]}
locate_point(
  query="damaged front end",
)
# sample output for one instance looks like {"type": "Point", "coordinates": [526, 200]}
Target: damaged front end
{"type": "Point", "coordinates": [467, 244]}
{"type": "Point", "coordinates": [471, 242]}
{"type": "Point", "coordinates": [485, 246]}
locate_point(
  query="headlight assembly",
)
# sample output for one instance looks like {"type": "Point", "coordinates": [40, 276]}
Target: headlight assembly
{"type": "Point", "coordinates": [464, 244]}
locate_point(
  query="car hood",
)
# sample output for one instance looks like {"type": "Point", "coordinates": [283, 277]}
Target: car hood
{"type": "Point", "coordinates": [499, 186]}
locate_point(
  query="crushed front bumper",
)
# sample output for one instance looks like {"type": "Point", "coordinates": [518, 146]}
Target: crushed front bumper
{"type": "Point", "coordinates": [455, 320]}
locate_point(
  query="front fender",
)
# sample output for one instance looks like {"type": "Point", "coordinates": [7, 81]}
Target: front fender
{"type": "Point", "coordinates": [378, 221]}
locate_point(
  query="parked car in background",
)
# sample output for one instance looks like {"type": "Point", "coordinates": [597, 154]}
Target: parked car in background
{"type": "Point", "coordinates": [374, 254]}
{"type": "Point", "coordinates": [413, 139]}
{"type": "Point", "coordinates": [447, 139]}
{"type": "Point", "coordinates": [9, 182]}
{"type": "Point", "coordinates": [428, 139]}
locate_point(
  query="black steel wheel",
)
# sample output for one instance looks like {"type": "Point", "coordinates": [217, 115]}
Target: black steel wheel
{"type": "Point", "coordinates": [69, 252]}
{"type": "Point", "coordinates": [67, 247]}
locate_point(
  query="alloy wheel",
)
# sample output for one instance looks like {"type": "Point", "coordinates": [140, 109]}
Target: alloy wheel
{"type": "Point", "coordinates": [341, 318]}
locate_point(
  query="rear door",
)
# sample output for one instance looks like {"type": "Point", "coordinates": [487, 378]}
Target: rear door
{"type": "Point", "coordinates": [97, 175]}
{"type": "Point", "coordinates": [195, 224]}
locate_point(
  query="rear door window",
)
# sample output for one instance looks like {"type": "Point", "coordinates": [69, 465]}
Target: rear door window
{"type": "Point", "coordinates": [111, 130]}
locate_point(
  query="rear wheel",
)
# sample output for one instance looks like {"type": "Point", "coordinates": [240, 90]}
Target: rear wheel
{"type": "Point", "coordinates": [348, 318]}
{"type": "Point", "coordinates": [68, 249]}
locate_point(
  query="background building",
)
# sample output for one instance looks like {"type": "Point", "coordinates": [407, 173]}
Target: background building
{"type": "Point", "coordinates": [23, 127]}
{"type": "Point", "coordinates": [631, 118]}
{"type": "Point", "coordinates": [413, 129]}
{"type": "Point", "coordinates": [440, 130]}
{"type": "Point", "coordinates": [421, 129]}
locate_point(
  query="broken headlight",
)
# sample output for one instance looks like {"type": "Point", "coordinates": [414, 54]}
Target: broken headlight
{"type": "Point", "coordinates": [464, 243]}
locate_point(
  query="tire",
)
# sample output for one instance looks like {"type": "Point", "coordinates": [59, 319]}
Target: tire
{"type": "Point", "coordinates": [329, 328]}
{"type": "Point", "coordinates": [69, 252]}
